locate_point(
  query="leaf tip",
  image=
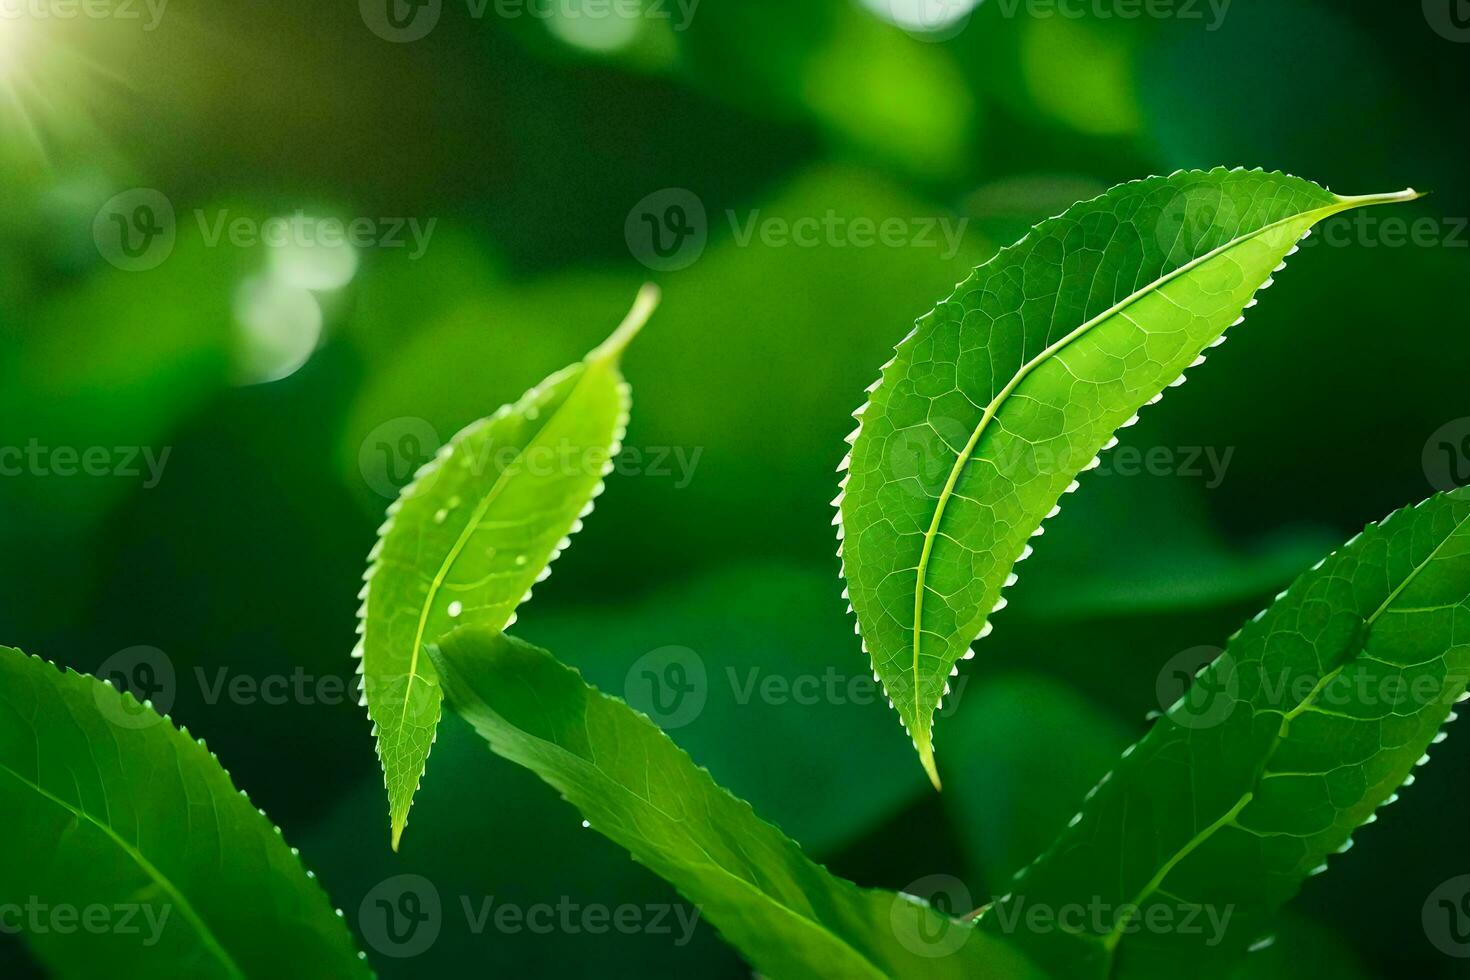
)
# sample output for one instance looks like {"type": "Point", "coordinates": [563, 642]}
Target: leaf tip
{"type": "Point", "coordinates": [926, 758]}
{"type": "Point", "coordinates": [1367, 200]}
{"type": "Point", "coordinates": [643, 309]}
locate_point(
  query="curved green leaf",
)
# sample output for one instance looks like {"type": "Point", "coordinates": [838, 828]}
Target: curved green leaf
{"type": "Point", "coordinates": [790, 917]}
{"type": "Point", "coordinates": [129, 853]}
{"type": "Point", "coordinates": [479, 525]}
{"type": "Point", "coordinates": [1313, 717]}
{"type": "Point", "coordinates": [1010, 388]}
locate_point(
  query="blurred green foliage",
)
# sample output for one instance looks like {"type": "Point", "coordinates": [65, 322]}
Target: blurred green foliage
{"type": "Point", "coordinates": [530, 142]}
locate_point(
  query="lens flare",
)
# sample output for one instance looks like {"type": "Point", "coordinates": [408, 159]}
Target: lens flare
{"type": "Point", "coordinates": [49, 86]}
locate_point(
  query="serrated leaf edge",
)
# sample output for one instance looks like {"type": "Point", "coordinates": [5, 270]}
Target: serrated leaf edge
{"type": "Point", "coordinates": [413, 487]}
{"type": "Point", "coordinates": [69, 674]}
{"type": "Point", "coordinates": [749, 809]}
{"type": "Point", "coordinates": [1451, 716]}
{"type": "Point", "coordinates": [608, 353]}
{"type": "Point", "coordinates": [1026, 551]}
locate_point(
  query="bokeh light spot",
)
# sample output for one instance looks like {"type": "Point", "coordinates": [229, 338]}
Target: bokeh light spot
{"type": "Point", "coordinates": [311, 253]}
{"type": "Point", "coordinates": [278, 326]}
{"type": "Point", "coordinates": [924, 16]}
{"type": "Point", "coordinates": [593, 27]}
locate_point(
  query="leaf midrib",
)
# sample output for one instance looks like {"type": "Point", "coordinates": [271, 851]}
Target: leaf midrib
{"type": "Point", "coordinates": [507, 747]}
{"type": "Point", "coordinates": [207, 936]}
{"type": "Point", "coordinates": [470, 527]}
{"type": "Point", "coordinates": [931, 535]}
{"type": "Point", "coordinates": [1110, 942]}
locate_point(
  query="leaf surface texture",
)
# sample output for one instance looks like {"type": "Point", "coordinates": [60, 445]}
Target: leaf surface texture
{"type": "Point", "coordinates": [1012, 386]}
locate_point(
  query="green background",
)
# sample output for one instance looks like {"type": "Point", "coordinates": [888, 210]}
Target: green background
{"type": "Point", "coordinates": [531, 143]}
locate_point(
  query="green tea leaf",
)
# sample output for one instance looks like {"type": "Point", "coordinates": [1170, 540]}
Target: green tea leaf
{"type": "Point", "coordinates": [479, 525]}
{"type": "Point", "coordinates": [131, 854]}
{"type": "Point", "coordinates": [788, 916]}
{"type": "Point", "coordinates": [1010, 388]}
{"type": "Point", "coordinates": [1312, 718]}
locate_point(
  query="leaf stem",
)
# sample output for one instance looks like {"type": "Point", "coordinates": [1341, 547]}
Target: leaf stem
{"type": "Point", "coordinates": [643, 308]}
